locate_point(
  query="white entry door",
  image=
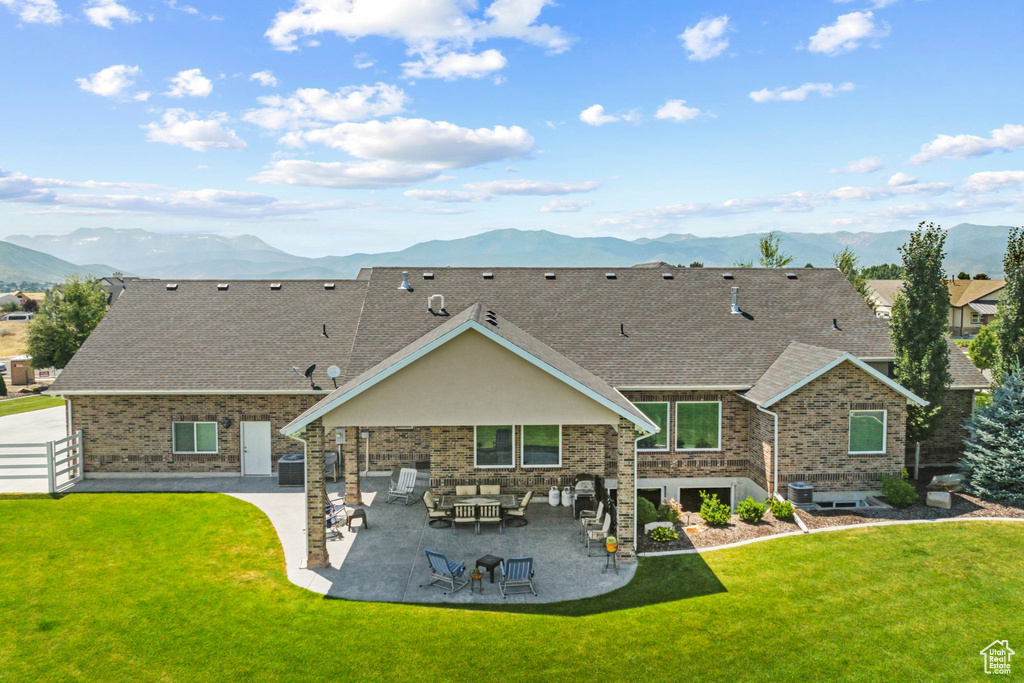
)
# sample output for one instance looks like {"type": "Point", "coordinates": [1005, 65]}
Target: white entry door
{"type": "Point", "coordinates": [256, 449]}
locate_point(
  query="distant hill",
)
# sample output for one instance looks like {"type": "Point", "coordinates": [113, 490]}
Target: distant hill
{"type": "Point", "coordinates": [19, 264]}
{"type": "Point", "coordinates": [971, 248]}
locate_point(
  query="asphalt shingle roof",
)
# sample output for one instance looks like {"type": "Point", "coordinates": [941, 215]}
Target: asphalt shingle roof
{"type": "Point", "coordinates": [796, 363]}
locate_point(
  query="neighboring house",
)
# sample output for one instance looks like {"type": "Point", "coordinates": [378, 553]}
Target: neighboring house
{"type": "Point", "coordinates": [661, 380]}
{"type": "Point", "coordinates": [13, 298]}
{"type": "Point", "coordinates": [114, 285]}
{"type": "Point", "coordinates": [972, 303]}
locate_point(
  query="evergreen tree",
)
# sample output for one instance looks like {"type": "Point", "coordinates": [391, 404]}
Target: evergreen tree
{"type": "Point", "coordinates": [984, 348]}
{"type": "Point", "coordinates": [772, 255]}
{"type": "Point", "coordinates": [846, 261]}
{"type": "Point", "coordinates": [920, 315]}
{"type": "Point", "coordinates": [994, 457]}
{"type": "Point", "coordinates": [67, 316]}
{"type": "Point", "coordinates": [1010, 330]}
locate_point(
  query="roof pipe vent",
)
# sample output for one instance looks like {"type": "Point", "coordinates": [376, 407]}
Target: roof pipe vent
{"type": "Point", "coordinates": [430, 304]}
{"type": "Point", "coordinates": [405, 281]}
{"type": "Point", "coordinates": [835, 325]}
{"type": "Point", "coordinates": [735, 308]}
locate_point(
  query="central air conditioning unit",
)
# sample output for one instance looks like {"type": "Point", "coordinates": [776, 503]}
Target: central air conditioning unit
{"type": "Point", "coordinates": [801, 494]}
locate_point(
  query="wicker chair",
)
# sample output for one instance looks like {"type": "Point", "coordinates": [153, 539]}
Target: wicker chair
{"type": "Point", "coordinates": [437, 518]}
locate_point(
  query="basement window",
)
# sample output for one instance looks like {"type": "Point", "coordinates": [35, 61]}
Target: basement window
{"type": "Point", "coordinates": [494, 446]}
{"type": "Point", "coordinates": [194, 437]}
{"type": "Point", "coordinates": [867, 431]}
{"type": "Point", "coordinates": [542, 446]}
{"type": "Point", "coordinates": [657, 411]}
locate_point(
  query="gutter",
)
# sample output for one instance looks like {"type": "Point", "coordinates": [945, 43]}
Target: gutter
{"type": "Point", "coordinates": [305, 496]}
{"type": "Point", "coordinates": [775, 449]}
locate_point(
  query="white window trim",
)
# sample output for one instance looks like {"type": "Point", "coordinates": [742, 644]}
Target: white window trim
{"type": "Point", "coordinates": [195, 440]}
{"type": "Point", "coordinates": [976, 318]}
{"type": "Point", "coordinates": [885, 433]}
{"type": "Point", "coordinates": [675, 432]}
{"type": "Point", "coordinates": [496, 467]}
{"type": "Point", "coordinates": [522, 452]}
{"type": "Point", "coordinates": [668, 419]}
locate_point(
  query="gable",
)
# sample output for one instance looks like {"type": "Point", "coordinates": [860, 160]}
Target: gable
{"type": "Point", "coordinates": [846, 382]}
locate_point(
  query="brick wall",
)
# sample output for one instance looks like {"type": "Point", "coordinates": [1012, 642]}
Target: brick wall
{"type": "Point", "coordinates": [814, 432]}
{"type": "Point", "coordinates": [316, 497]}
{"type": "Point", "coordinates": [133, 433]}
{"type": "Point", "coordinates": [947, 444]}
{"type": "Point", "coordinates": [762, 445]}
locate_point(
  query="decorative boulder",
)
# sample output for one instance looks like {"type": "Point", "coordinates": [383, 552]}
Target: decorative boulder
{"type": "Point", "coordinates": [648, 528]}
{"type": "Point", "coordinates": [947, 482]}
{"type": "Point", "coordinates": [939, 499]}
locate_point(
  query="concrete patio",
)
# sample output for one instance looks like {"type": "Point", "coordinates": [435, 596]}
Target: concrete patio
{"type": "Point", "coordinates": [386, 560]}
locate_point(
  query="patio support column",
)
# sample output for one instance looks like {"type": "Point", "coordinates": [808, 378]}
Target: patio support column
{"type": "Point", "coordinates": [350, 452]}
{"type": "Point", "coordinates": [316, 497]}
{"type": "Point", "coordinates": [626, 507]}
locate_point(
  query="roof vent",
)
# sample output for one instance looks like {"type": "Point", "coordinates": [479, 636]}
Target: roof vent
{"type": "Point", "coordinates": [549, 276]}
{"type": "Point", "coordinates": [430, 304]}
{"type": "Point", "coordinates": [405, 281]}
{"type": "Point", "coordinates": [609, 276]}
{"type": "Point", "coordinates": [835, 325]}
{"type": "Point", "coordinates": [667, 276]}
{"type": "Point", "coordinates": [428, 276]}
{"type": "Point", "coordinates": [275, 286]}
{"type": "Point", "coordinates": [735, 308]}
{"type": "Point", "coordinates": [222, 287]}
{"type": "Point", "coordinates": [172, 286]}
{"type": "Point", "coordinates": [791, 276]}
{"type": "Point", "coordinates": [329, 285]}
{"type": "Point", "coordinates": [488, 276]}
{"type": "Point", "coordinates": [727, 276]}
{"type": "Point", "coordinates": [491, 318]}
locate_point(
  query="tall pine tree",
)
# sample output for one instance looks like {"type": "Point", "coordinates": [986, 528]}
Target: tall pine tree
{"type": "Point", "coordinates": [1010, 330]}
{"type": "Point", "coordinates": [920, 316]}
{"type": "Point", "coordinates": [993, 460]}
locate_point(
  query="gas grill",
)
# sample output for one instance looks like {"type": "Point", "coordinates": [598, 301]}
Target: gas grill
{"type": "Point", "coordinates": [584, 493]}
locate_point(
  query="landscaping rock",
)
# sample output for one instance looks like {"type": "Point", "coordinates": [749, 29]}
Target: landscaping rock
{"type": "Point", "coordinates": [947, 482]}
{"type": "Point", "coordinates": [648, 528]}
{"type": "Point", "coordinates": [940, 499]}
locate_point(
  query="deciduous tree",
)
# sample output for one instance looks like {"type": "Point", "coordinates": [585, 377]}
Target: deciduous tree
{"type": "Point", "coordinates": [772, 255]}
{"type": "Point", "coordinates": [67, 316]}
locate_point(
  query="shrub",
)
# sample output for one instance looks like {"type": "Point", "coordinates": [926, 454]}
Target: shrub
{"type": "Point", "coordinates": [664, 534]}
{"type": "Point", "coordinates": [781, 509]}
{"type": "Point", "coordinates": [6, 331]}
{"type": "Point", "coordinates": [898, 491]}
{"type": "Point", "coordinates": [712, 510]}
{"type": "Point", "coordinates": [750, 511]}
{"type": "Point", "coordinates": [3, 386]}
{"type": "Point", "coordinates": [645, 512]}
{"type": "Point", "coordinates": [667, 513]}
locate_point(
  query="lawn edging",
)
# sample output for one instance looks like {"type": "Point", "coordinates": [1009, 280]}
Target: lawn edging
{"type": "Point", "coordinates": [692, 551]}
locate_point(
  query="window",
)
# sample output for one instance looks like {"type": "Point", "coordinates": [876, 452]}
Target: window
{"type": "Point", "coordinates": [542, 446]}
{"type": "Point", "coordinates": [658, 413]}
{"type": "Point", "coordinates": [867, 431]}
{"type": "Point", "coordinates": [195, 437]}
{"type": "Point", "coordinates": [494, 446]}
{"type": "Point", "coordinates": [975, 318]}
{"type": "Point", "coordinates": [698, 425]}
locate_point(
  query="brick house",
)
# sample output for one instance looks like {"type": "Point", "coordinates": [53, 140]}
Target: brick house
{"type": "Point", "coordinates": [972, 303]}
{"type": "Point", "coordinates": [661, 380]}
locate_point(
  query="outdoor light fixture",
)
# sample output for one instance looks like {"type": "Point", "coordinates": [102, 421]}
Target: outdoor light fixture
{"type": "Point", "coordinates": [226, 422]}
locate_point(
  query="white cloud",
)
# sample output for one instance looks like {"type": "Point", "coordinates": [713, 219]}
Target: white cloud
{"type": "Point", "coordinates": [1009, 137]}
{"type": "Point", "coordinates": [900, 179]}
{"type": "Point", "coordinates": [865, 165]}
{"type": "Point", "coordinates": [110, 82]}
{"type": "Point", "coordinates": [530, 187]}
{"type": "Point", "coordinates": [265, 77]}
{"type": "Point", "coordinates": [705, 39]}
{"type": "Point", "coordinates": [34, 11]}
{"type": "Point", "coordinates": [847, 34]}
{"type": "Point", "coordinates": [307, 107]}
{"type": "Point", "coordinates": [565, 206]}
{"type": "Point", "coordinates": [594, 116]}
{"type": "Point", "coordinates": [362, 61]}
{"type": "Point", "coordinates": [445, 196]}
{"type": "Point", "coordinates": [190, 83]}
{"type": "Point", "coordinates": [179, 127]}
{"type": "Point", "coordinates": [105, 12]}
{"type": "Point", "coordinates": [187, 9]}
{"type": "Point", "coordinates": [799, 94]}
{"type": "Point", "coordinates": [454, 65]}
{"type": "Point", "coordinates": [360, 175]}
{"type": "Point", "coordinates": [992, 181]}
{"type": "Point", "coordinates": [676, 110]}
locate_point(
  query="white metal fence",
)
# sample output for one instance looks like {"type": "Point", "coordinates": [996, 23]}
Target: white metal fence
{"type": "Point", "coordinates": [48, 467]}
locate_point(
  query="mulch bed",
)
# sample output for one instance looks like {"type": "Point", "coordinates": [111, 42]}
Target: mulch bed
{"type": "Point", "coordinates": [711, 536]}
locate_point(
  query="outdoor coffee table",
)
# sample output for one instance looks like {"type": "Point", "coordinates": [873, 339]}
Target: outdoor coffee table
{"type": "Point", "coordinates": [490, 562]}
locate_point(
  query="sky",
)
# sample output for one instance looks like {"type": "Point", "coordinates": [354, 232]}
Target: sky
{"type": "Point", "coordinates": [342, 126]}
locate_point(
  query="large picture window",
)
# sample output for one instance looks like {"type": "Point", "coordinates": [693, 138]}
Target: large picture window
{"type": "Point", "coordinates": [495, 446]}
{"type": "Point", "coordinates": [867, 431]}
{"type": "Point", "coordinates": [658, 414]}
{"type": "Point", "coordinates": [698, 425]}
{"type": "Point", "coordinates": [542, 446]}
{"type": "Point", "coordinates": [195, 437]}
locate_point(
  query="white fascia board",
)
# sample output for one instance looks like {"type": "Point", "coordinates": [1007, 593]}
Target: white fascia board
{"type": "Point", "coordinates": [911, 396]}
{"type": "Point", "coordinates": [184, 392]}
{"type": "Point", "coordinates": [690, 387]}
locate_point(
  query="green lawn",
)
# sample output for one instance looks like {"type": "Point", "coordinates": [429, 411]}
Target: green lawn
{"type": "Point", "coordinates": [191, 587]}
{"type": "Point", "coordinates": [30, 403]}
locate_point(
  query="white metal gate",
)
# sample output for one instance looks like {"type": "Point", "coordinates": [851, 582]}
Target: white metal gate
{"type": "Point", "coordinates": [25, 467]}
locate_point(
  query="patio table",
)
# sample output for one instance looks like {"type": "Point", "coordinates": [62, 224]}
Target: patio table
{"type": "Point", "coordinates": [506, 500]}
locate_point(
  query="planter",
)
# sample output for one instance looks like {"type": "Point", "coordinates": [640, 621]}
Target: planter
{"type": "Point", "coordinates": [648, 528]}
{"type": "Point", "coordinates": [611, 547]}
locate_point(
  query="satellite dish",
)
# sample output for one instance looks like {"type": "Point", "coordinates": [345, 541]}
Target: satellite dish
{"type": "Point", "coordinates": [334, 371]}
{"type": "Point", "coordinates": [309, 371]}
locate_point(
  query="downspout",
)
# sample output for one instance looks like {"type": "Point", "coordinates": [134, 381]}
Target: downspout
{"type": "Point", "coordinates": [636, 471]}
{"type": "Point", "coordinates": [775, 450]}
{"type": "Point", "coordinates": [305, 494]}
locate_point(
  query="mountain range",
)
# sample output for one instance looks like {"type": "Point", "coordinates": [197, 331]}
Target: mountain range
{"type": "Point", "coordinates": [21, 264]}
{"type": "Point", "coordinates": [970, 248]}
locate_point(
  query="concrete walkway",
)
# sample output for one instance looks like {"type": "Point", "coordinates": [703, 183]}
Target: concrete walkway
{"type": "Point", "coordinates": [35, 426]}
{"type": "Point", "coordinates": [386, 560]}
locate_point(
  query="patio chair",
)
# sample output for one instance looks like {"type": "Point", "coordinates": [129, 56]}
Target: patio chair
{"type": "Point", "coordinates": [490, 514]}
{"type": "Point", "coordinates": [463, 513]}
{"type": "Point", "coordinates": [335, 516]}
{"type": "Point", "coordinates": [444, 573]}
{"type": "Point", "coordinates": [596, 537]}
{"type": "Point", "coordinates": [465, 490]}
{"type": "Point", "coordinates": [403, 488]}
{"type": "Point", "coordinates": [590, 518]}
{"type": "Point", "coordinates": [518, 515]}
{"type": "Point", "coordinates": [490, 489]}
{"type": "Point", "coordinates": [434, 513]}
{"type": "Point", "coordinates": [516, 573]}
